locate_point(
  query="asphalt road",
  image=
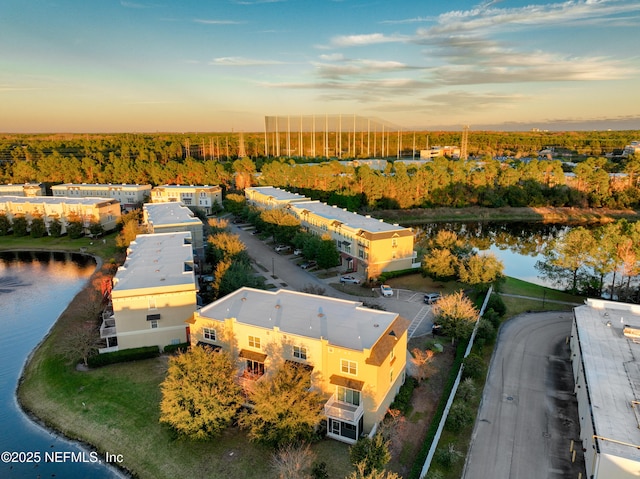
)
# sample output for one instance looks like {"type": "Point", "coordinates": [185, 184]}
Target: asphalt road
{"type": "Point", "coordinates": [282, 271]}
{"type": "Point", "coordinates": [528, 414]}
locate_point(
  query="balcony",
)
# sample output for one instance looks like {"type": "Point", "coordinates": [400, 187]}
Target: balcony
{"type": "Point", "coordinates": [247, 381]}
{"type": "Point", "coordinates": [335, 409]}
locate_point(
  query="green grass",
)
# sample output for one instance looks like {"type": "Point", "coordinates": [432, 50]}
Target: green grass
{"type": "Point", "coordinates": [105, 249]}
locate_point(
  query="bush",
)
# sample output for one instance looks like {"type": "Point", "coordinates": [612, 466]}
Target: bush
{"type": "Point", "coordinates": [497, 304]}
{"type": "Point", "coordinates": [486, 331]}
{"type": "Point", "coordinates": [402, 401]}
{"type": "Point", "coordinates": [473, 367]}
{"type": "Point", "coordinates": [124, 356]}
{"type": "Point", "coordinates": [493, 317]}
{"type": "Point", "coordinates": [172, 348]}
{"type": "Point", "coordinates": [460, 416]}
{"type": "Point", "coordinates": [394, 274]}
{"type": "Point", "coordinates": [447, 456]}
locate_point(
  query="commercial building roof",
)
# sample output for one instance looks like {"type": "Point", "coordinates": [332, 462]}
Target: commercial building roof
{"type": "Point", "coordinates": [343, 323]}
{"type": "Point", "coordinates": [347, 218]}
{"type": "Point", "coordinates": [612, 371]}
{"type": "Point", "coordinates": [161, 260]}
{"type": "Point", "coordinates": [106, 186]}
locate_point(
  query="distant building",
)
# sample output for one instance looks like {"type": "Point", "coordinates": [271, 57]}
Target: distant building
{"type": "Point", "coordinates": [437, 151]}
{"type": "Point", "coordinates": [605, 347]}
{"type": "Point", "coordinates": [631, 149]}
{"type": "Point", "coordinates": [268, 197]}
{"type": "Point", "coordinates": [365, 244]}
{"type": "Point", "coordinates": [357, 355]}
{"type": "Point", "coordinates": [64, 209]}
{"type": "Point", "coordinates": [202, 197]}
{"type": "Point", "coordinates": [25, 189]}
{"type": "Point", "coordinates": [153, 294]}
{"type": "Point", "coordinates": [129, 196]}
{"type": "Point", "coordinates": [174, 217]}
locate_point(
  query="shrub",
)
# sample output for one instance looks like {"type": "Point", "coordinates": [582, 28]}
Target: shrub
{"type": "Point", "coordinates": [473, 367]}
{"type": "Point", "coordinates": [497, 304]}
{"type": "Point", "coordinates": [460, 416]}
{"type": "Point", "coordinates": [19, 226]}
{"type": "Point", "coordinates": [493, 317]}
{"type": "Point", "coordinates": [395, 274]}
{"type": "Point", "coordinates": [402, 401]}
{"type": "Point", "coordinates": [124, 356]}
{"type": "Point", "coordinates": [172, 348]}
{"type": "Point", "coordinates": [447, 456]}
{"type": "Point", "coordinates": [486, 331]}
{"type": "Point", "coordinates": [372, 453]}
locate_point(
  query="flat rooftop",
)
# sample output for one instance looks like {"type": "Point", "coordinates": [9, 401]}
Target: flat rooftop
{"type": "Point", "coordinates": [105, 186]}
{"type": "Point", "coordinates": [170, 213]}
{"type": "Point", "coordinates": [186, 187]}
{"type": "Point", "coordinates": [343, 323]}
{"type": "Point", "coordinates": [56, 200]}
{"type": "Point", "coordinates": [157, 261]}
{"type": "Point", "coordinates": [612, 372]}
{"type": "Point", "coordinates": [348, 218]}
{"type": "Point", "coordinates": [278, 194]}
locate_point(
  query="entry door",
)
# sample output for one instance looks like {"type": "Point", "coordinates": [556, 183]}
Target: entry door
{"type": "Point", "coordinates": [335, 427]}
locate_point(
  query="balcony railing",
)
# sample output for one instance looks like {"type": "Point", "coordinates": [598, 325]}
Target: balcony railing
{"type": "Point", "coordinates": [247, 381]}
{"type": "Point", "coordinates": [336, 409]}
{"type": "Point", "coordinates": [108, 328]}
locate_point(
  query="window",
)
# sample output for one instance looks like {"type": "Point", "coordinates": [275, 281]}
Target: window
{"type": "Point", "coordinates": [391, 377]}
{"type": "Point", "coordinates": [350, 396]}
{"type": "Point", "coordinates": [152, 303]}
{"type": "Point", "coordinates": [254, 367]}
{"type": "Point", "coordinates": [254, 342]}
{"type": "Point", "coordinates": [394, 243]}
{"type": "Point", "coordinates": [349, 367]}
{"type": "Point", "coordinates": [154, 324]}
{"type": "Point", "coordinates": [209, 333]}
{"type": "Point", "coordinates": [300, 352]}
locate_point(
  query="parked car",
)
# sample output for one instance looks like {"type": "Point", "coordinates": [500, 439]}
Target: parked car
{"type": "Point", "coordinates": [386, 290]}
{"type": "Point", "coordinates": [282, 247]}
{"type": "Point", "coordinates": [308, 264]}
{"type": "Point", "coordinates": [297, 251]}
{"type": "Point", "coordinates": [349, 280]}
{"type": "Point", "coordinates": [431, 298]}
{"type": "Point", "coordinates": [436, 329]}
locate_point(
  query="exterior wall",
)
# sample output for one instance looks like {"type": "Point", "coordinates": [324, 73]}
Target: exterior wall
{"type": "Point", "coordinates": [378, 391]}
{"type": "Point", "coordinates": [134, 330]}
{"type": "Point", "coordinates": [181, 220]}
{"type": "Point", "coordinates": [203, 197]}
{"type": "Point", "coordinates": [28, 190]}
{"type": "Point", "coordinates": [106, 212]}
{"type": "Point", "coordinates": [372, 251]}
{"type": "Point", "coordinates": [584, 407]}
{"type": "Point", "coordinates": [257, 196]}
{"type": "Point", "coordinates": [129, 196]}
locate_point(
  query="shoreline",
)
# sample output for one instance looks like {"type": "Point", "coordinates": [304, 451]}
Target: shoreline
{"type": "Point", "coordinates": [546, 214]}
{"type": "Point", "coordinates": [47, 423]}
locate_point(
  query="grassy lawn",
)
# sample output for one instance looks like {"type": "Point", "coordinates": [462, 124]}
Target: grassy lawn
{"type": "Point", "coordinates": [104, 247]}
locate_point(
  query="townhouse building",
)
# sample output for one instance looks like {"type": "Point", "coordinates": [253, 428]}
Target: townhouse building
{"type": "Point", "coordinates": [129, 196]}
{"type": "Point", "coordinates": [605, 352]}
{"type": "Point", "coordinates": [23, 189]}
{"type": "Point", "coordinates": [174, 217]}
{"type": "Point", "coordinates": [365, 244]}
{"type": "Point", "coordinates": [357, 355]}
{"type": "Point", "coordinates": [204, 197]}
{"type": "Point", "coordinates": [153, 293]}
{"type": "Point", "coordinates": [64, 209]}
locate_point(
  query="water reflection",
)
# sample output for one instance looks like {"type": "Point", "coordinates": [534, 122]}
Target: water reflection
{"type": "Point", "coordinates": [35, 287]}
{"type": "Point", "coordinates": [518, 245]}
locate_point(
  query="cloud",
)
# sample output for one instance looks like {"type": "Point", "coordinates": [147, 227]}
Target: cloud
{"type": "Point", "coordinates": [242, 62]}
{"type": "Point", "coordinates": [358, 68]}
{"type": "Point", "coordinates": [217, 22]}
{"type": "Point", "coordinates": [364, 40]}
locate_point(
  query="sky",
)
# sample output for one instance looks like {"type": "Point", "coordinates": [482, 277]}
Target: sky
{"type": "Point", "coordinates": [223, 65]}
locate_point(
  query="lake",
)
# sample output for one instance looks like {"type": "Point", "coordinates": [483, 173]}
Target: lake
{"type": "Point", "coordinates": [35, 288]}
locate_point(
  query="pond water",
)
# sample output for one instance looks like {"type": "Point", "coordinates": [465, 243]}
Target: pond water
{"type": "Point", "coordinates": [518, 245]}
{"type": "Point", "coordinates": [35, 288]}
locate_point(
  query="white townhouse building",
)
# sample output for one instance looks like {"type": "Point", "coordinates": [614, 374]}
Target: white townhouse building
{"type": "Point", "coordinates": [129, 196]}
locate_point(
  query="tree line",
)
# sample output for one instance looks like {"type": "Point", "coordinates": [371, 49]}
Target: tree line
{"type": "Point", "coordinates": [599, 262]}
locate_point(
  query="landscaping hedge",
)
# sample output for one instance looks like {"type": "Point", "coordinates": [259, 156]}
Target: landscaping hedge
{"type": "Point", "coordinates": [172, 348]}
{"type": "Point", "coordinates": [123, 356]}
{"type": "Point", "coordinates": [394, 274]}
{"type": "Point", "coordinates": [431, 433]}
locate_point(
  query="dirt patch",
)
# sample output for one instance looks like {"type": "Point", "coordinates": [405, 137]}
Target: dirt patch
{"type": "Point", "coordinates": [409, 432]}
